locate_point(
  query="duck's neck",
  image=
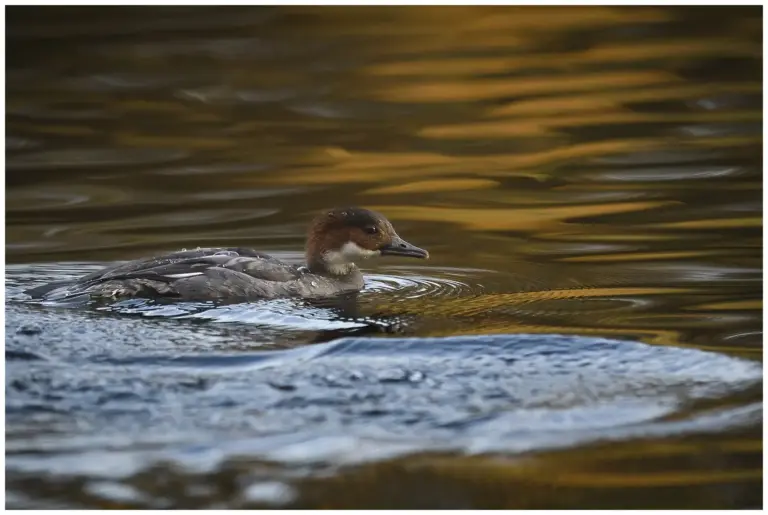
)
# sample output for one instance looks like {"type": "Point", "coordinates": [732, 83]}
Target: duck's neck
{"type": "Point", "coordinates": [331, 267]}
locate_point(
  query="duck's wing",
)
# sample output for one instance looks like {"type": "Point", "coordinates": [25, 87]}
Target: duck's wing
{"type": "Point", "coordinates": [197, 259]}
{"type": "Point", "coordinates": [162, 273]}
{"type": "Point", "coordinates": [264, 268]}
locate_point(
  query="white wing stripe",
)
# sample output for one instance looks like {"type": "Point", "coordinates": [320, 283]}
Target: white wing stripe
{"type": "Point", "coordinates": [182, 276]}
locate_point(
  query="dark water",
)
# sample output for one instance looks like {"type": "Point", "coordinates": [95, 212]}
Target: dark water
{"type": "Point", "coordinates": [587, 332]}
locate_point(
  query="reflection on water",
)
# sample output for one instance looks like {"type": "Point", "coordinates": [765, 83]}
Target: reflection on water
{"type": "Point", "coordinates": [572, 170]}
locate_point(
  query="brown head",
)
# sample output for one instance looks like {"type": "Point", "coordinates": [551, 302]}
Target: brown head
{"type": "Point", "coordinates": [341, 237]}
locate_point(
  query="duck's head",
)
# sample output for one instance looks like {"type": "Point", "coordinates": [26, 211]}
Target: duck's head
{"type": "Point", "coordinates": [341, 237]}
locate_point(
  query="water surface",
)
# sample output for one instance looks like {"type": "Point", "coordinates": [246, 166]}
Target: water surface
{"type": "Point", "coordinates": [587, 181]}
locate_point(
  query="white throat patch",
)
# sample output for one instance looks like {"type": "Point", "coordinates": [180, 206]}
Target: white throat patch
{"type": "Point", "coordinates": [341, 261]}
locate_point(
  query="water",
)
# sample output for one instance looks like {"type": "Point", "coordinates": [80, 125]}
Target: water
{"type": "Point", "coordinates": [587, 181]}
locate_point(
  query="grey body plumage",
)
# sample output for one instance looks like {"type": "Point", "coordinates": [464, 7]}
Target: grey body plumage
{"type": "Point", "coordinates": [203, 274]}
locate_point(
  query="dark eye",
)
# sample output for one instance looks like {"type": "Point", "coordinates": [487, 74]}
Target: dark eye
{"type": "Point", "coordinates": [371, 229]}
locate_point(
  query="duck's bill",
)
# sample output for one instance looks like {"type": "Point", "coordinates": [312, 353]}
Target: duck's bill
{"type": "Point", "coordinates": [400, 247]}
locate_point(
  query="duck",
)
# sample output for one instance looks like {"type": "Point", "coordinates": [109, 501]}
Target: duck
{"type": "Point", "coordinates": [337, 240]}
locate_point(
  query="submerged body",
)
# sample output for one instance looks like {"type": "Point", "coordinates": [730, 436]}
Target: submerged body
{"type": "Point", "coordinates": [337, 240]}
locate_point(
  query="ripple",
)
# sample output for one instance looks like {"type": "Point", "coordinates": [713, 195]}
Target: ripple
{"type": "Point", "coordinates": [114, 492]}
{"type": "Point", "coordinates": [354, 400]}
{"type": "Point", "coordinates": [21, 276]}
{"type": "Point", "coordinates": [33, 199]}
{"type": "Point", "coordinates": [700, 273]}
{"type": "Point", "coordinates": [720, 130]}
{"type": "Point", "coordinates": [16, 143]}
{"type": "Point", "coordinates": [223, 169]}
{"type": "Point", "coordinates": [195, 219]}
{"type": "Point", "coordinates": [223, 95]}
{"type": "Point", "coordinates": [724, 101]}
{"type": "Point", "coordinates": [111, 82]}
{"type": "Point", "coordinates": [585, 305]}
{"type": "Point", "coordinates": [682, 173]}
{"type": "Point", "coordinates": [284, 313]}
{"type": "Point", "coordinates": [414, 286]}
{"type": "Point", "coordinates": [246, 193]}
{"type": "Point", "coordinates": [92, 158]}
{"type": "Point", "coordinates": [45, 112]}
{"type": "Point", "coordinates": [664, 157]}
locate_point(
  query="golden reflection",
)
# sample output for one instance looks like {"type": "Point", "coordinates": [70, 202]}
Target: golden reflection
{"type": "Point", "coordinates": [481, 304]}
{"type": "Point", "coordinates": [362, 160]}
{"type": "Point", "coordinates": [715, 223]}
{"type": "Point", "coordinates": [339, 166]}
{"type": "Point", "coordinates": [563, 105]}
{"type": "Point", "coordinates": [436, 185]}
{"type": "Point", "coordinates": [335, 165]}
{"type": "Point", "coordinates": [504, 219]}
{"type": "Point", "coordinates": [602, 101]}
{"type": "Point", "coordinates": [554, 478]}
{"type": "Point", "coordinates": [159, 141]}
{"type": "Point", "coordinates": [564, 153]}
{"type": "Point", "coordinates": [616, 53]}
{"type": "Point", "coordinates": [482, 89]}
{"type": "Point", "coordinates": [681, 48]}
{"type": "Point", "coordinates": [626, 479]}
{"type": "Point", "coordinates": [636, 256]}
{"type": "Point", "coordinates": [738, 305]}
{"type": "Point", "coordinates": [572, 468]}
{"type": "Point", "coordinates": [727, 142]}
{"type": "Point", "coordinates": [498, 129]}
{"type": "Point", "coordinates": [542, 126]}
